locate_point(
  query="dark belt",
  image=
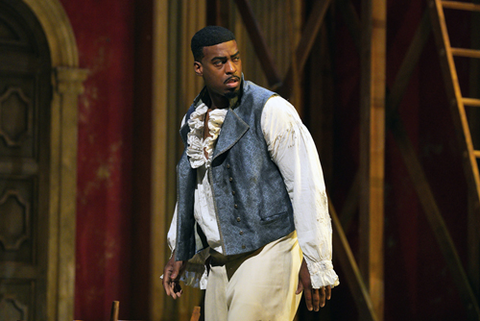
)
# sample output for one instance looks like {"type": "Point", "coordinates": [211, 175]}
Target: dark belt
{"type": "Point", "coordinates": [231, 262]}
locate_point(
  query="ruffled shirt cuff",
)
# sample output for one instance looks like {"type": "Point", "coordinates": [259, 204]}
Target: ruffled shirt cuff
{"type": "Point", "coordinates": [322, 274]}
{"type": "Point", "coordinates": [195, 272]}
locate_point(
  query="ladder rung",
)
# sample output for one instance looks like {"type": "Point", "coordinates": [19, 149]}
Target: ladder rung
{"type": "Point", "coordinates": [470, 53]}
{"type": "Point", "coordinates": [472, 102]}
{"type": "Point", "coordinates": [476, 153]}
{"type": "Point", "coordinates": [461, 5]}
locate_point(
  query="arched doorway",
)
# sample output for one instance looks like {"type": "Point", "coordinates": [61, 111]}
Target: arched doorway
{"type": "Point", "coordinates": [39, 85]}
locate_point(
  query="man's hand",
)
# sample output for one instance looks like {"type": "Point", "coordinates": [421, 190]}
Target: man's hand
{"type": "Point", "coordinates": [171, 276]}
{"type": "Point", "coordinates": [314, 298]}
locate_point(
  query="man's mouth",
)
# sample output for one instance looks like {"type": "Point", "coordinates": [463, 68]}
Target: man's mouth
{"type": "Point", "coordinates": [232, 82]}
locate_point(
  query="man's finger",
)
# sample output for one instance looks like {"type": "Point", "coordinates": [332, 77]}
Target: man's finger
{"type": "Point", "coordinates": [166, 283]}
{"type": "Point", "coordinates": [176, 294]}
{"type": "Point", "coordinates": [299, 287]}
{"type": "Point", "coordinates": [177, 289]}
{"type": "Point", "coordinates": [307, 293]}
{"type": "Point", "coordinates": [316, 299]}
{"type": "Point", "coordinates": [329, 292]}
{"type": "Point", "coordinates": [169, 288]}
{"type": "Point", "coordinates": [173, 289]}
{"type": "Point", "coordinates": [323, 295]}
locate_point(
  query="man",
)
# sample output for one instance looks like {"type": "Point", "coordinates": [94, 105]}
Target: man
{"type": "Point", "coordinates": [249, 182]}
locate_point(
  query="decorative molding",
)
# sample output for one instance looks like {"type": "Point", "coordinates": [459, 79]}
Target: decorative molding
{"type": "Point", "coordinates": [12, 136]}
{"type": "Point", "coordinates": [68, 84]}
{"type": "Point", "coordinates": [59, 32]}
{"type": "Point", "coordinates": [70, 80]}
{"type": "Point", "coordinates": [12, 240]}
{"type": "Point", "coordinates": [7, 32]}
{"type": "Point", "coordinates": [67, 81]}
{"type": "Point", "coordinates": [12, 309]}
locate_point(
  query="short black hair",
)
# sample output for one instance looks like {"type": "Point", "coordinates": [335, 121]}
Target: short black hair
{"type": "Point", "coordinates": [209, 36]}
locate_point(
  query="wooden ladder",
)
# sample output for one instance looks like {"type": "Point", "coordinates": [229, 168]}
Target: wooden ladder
{"type": "Point", "coordinates": [458, 103]}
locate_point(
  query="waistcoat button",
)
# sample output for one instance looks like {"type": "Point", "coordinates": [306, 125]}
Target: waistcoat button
{"type": "Point", "coordinates": [238, 219]}
{"type": "Point", "coordinates": [236, 206]}
{"type": "Point", "coordinates": [230, 179]}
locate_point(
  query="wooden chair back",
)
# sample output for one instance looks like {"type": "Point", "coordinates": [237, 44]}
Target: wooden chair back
{"type": "Point", "coordinates": [195, 314]}
{"type": "Point", "coordinates": [114, 311]}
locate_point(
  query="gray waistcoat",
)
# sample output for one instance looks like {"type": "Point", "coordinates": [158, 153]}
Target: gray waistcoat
{"type": "Point", "coordinates": [251, 202]}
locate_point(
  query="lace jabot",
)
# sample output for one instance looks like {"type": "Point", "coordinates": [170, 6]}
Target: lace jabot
{"type": "Point", "coordinates": [196, 144]}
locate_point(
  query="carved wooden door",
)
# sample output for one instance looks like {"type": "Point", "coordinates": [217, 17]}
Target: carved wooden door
{"type": "Point", "coordinates": [25, 91]}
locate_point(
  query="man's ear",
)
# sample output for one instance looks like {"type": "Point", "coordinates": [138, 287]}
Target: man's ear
{"type": "Point", "coordinates": [197, 66]}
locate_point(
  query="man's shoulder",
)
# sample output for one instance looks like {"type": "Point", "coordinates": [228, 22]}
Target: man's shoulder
{"type": "Point", "coordinates": [251, 86]}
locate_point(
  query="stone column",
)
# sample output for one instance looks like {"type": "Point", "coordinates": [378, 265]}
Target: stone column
{"type": "Point", "coordinates": [68, 85]}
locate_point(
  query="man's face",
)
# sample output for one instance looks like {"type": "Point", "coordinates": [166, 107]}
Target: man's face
{"type": "Point", "coordinates": [221, 69]}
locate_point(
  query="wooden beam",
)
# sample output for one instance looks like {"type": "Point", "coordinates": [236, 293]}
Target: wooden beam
{"type": "Point", "coordinates": [409, 64]}
{"type": "Point", "coordinates": [434, 217]}
{"type": "Point", "coordinates": [352, 274]}
{"type": "Point", "coordinates": [184, 17]}
{"type": "Point", "coordinates": [416, 172]}
{"type": "Point", "coordinates": [372, 149]}
{"type": "Point", "coordinates": [474, 121]}
{"type": "Point", "coordinates": [312, 27]}
{"type": "Point", "coordinates": [351, 19]}
{"type": "Point", "coordinates": [463, 52]}
{"type": "Point", "coordinates": [393, 99]}
{"type": "Point", "coordinates": [158, 229]}
{"type": "Point", "coordinates": [471, 102]}
{"type": "Point", "coordinates": [461, 5]}
{"type": "Point", "coordinates": [259, 43]}
{"type": "Point", "coordinates": [217, 13]}
{"type": "Point", "coordinates": [351, 204]}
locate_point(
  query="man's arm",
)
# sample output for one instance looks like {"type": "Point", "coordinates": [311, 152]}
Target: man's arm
{"type": "Point", "coordinates": [293, 150]}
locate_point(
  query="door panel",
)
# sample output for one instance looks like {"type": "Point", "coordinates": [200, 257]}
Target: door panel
{"type": "Point", "coordinates": [25, 91]}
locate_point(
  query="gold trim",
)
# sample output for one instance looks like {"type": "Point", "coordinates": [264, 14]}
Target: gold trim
{"type": "Point", "coordinates": [59, 32]}
{"type": "Point", "coordinates": [67, 81]}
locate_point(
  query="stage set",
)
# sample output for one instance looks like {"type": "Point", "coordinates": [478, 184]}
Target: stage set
{"type": "Point", "coordinates": [92, 94]}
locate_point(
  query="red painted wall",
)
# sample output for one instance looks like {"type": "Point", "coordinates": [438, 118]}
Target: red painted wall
{"type": "Point", "coordinates": [105, 38]}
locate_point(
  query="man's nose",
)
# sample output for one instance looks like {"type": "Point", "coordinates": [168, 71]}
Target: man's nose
{"type": "Point", "coordinates": [230, 67]}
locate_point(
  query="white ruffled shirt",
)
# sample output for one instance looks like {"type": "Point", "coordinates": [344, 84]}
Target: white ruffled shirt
{"type": "Point", "coordinates": [293, 150]}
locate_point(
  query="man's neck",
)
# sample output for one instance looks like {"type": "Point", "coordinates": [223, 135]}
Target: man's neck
{"type": "Point", "coordinates": [217, 101]}
{"type": "Point", "coordinates": [221, 105]}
